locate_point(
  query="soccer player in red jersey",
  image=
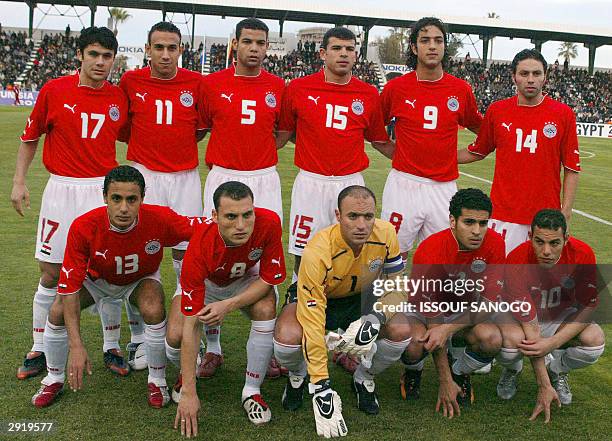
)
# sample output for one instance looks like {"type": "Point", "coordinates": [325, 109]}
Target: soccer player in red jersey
{"type": "Point", "coordinates": [556, 275]}
{"type": "Point", "coordinates": [534, 136]}
{"type": "Point", "coordinates": [166, 103]}
{"type": "Point", "coordinates": [112, 254]}
{"type": "Point", "coordinates": [331, 114]}
{"type": "Point", "coordinates": [467, 251]}
{"type": "Point", "coordinates": [232, 263]}
{"type": "Point", "coordinates": [242, 111]}
{"type": "Point", "coordinates": [428, 105]}
{"type": "Point", "coordinates": [81, 116]}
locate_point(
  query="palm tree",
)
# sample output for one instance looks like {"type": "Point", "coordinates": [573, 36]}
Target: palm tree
{"type": "Point", "coordinates": [117, 16]}
{"type": "Point", "coordinates": [568, 51]}
{"type": "Point", "coordinates": [491, 15]}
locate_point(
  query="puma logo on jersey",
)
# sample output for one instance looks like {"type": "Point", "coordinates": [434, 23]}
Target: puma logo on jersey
{"type": "Point", "coordinates": [506, 126]}
{"type": "Point", "coordinates": [71, 108]}
{"type": "Point", "coordinates": [142, 96]}
{"type": "Point", "coordinates": [188, 294]}
{"type": "Point", "coordinates": [222, 267]}
{"type": "Point", "coordinates": [98, 253]}
{"type": "Point", "coordinates": [29, 122]}
{"type": "Point", "coordinates": [276, 261]}
{"type": "Point", "coordinates": [227, 97]}
{"type": "Point", "coordinates": [67, 272]}
{"type": "Point", "coordinates": [411, 102]}
{"type": "Point", "coordinates": [316, 100]}
{"type": "Point", "coordinates": [308, 289]}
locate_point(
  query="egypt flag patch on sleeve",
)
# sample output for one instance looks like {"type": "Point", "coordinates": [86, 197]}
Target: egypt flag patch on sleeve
{"type": "Point", "coordinates": [311, 303]}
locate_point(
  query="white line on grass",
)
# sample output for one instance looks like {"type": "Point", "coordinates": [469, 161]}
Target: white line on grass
{"type": "Point", "coordinates": [582, 213]}
{"type": "Point", "coordinates": [584, 152]}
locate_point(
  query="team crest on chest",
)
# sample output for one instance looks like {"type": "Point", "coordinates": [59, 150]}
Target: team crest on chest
{"type": "Point", "coordinates": [357, 107]}
{"type": "Point", "coordinates": [567, 282]}
{"type": "Point", "coordinates": [375, 265]}
{"type": "Point", "coordinates": [186, 98]}
{"type": "Point", "coordinates": [478, 266]}
{"type": "Point", "coordinates": [452, 103]}
{"type": "Point", "coordinates": [271, 100]}
{"type": "Point", "coordinates": [153, 246]}
{"type": "Point", "coordinates": [550, 129]}
{"type": "Point", "coordinates": [113, 112]}
{"type": "Point", "coordinates": [255, 254]}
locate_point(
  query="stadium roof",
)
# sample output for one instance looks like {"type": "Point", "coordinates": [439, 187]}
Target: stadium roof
{"type": "Point", "coordinates": [303, 11]}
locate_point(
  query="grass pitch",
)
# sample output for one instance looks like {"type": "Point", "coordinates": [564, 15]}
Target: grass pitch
{"type": "Point", "coordinates": [111, 408]}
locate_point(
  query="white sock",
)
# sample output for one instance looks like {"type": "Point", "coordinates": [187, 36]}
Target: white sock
{"type": "Point", "coordinates": [110, 316]}
{"type": "Point", "coordinates": [136, 323]}
{"type": "Point", "coordinates": [178, 267]}
{"type": "Point", "coordinates": [294, 277]}
{"type": "Point", "coordinates": [291, 357]}
{"type": "Point", "coordinates": [387, 353]}
{"type": "Point", "coordinates": [56, 351]}
{"type": "Point", "coordinates": [155, 337]}
{"type": "Point", "coordinates": [576, 358]}
{"type": "Point", "coordinates": [43, 299]}
{"type": "Point", "coordinates": [259, 347]}
{"type": "Point", "coordinates": [173, 355]}
{"type": "Point", "coordinates": [417, 365]}
{"type": "Point", "coordinates": [468, 362]}
{"type": "Point", "coordinates": [510, 359]}
{"type": "Point", "coordinates": [213, 339]}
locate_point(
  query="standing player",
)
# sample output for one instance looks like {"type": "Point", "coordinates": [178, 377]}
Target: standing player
{"type": "Point", "coordinates": [165, 113]}
{"type": "Point", "coordinates": [232, 263]}
{"type": "Point", "coordinates": [339, 263]}
{"type": "Point", "coordinates": [242, 112]}
{"type": "Point", "coordinates": [112, 253]}
{"type": "Point", "coordinates": [556, 274]}
{"type": "Point", "coordinates": [534, 137]}
{"type": "Point", "coordinates": [16, 91]}
{"type": "Point", "coordinates": [81, 116]}
{"type": "Point", "coordinates": [428, 105]}
{"type": "Point", "coordinates": [331, 113]}
{"type": "Point", "coordinates": [466, 251]}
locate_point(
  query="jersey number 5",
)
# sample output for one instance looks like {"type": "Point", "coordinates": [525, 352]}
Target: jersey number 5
{"type": "Point", "coordinates": [248, 112]}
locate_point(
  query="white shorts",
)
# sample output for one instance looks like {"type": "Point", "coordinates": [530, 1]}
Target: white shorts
{"type": "Point", "coordinates": [64, 199]}
{"type": "Point", "coordinates": [265, 185]}
{"type": "Point", "coordinates": [100, 288]}
{"type": "Point", "coordinates": [416, 206]}
{"type": "Point", "coordinates": [548, 329]}
{"type": "Point", "coordinates": [314, 200]}
{"type": "Point", "coordinates": [180, 191]}
{"type": "Point", "coordinates": [513, 234]}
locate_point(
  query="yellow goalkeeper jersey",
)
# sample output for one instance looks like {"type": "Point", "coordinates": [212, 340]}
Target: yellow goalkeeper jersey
{"type": "Point", "coordinates": [329, 269]}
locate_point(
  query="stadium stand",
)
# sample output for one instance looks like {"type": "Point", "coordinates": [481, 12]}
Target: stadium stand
{"type": "Point", "coordinates": [14, 54]}
{"type": "Point", "coordinates": [589, 96]}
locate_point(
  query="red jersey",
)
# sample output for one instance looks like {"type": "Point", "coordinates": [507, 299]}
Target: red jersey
{"type": "Point", "coordinates": [427, 116]}
{"type": "Point", "coordinates": [573, 280]}
{"type": "Point", "coordinates": [331, 122]}
{"type": "Point", "coordinates": [208, 257]}
{"type": "Point", "coordinates": [96, 249]}
{"type": "Point", "coordinates": [81, 126]}
{"type": "Point", "coordinates": [531, 143]}
{"type": "Point", "coordinates": [243, 113]}
{"type": "Point", "coordinates": [164, 116]}
{"type": "Point", "coordinates": [439, 258]}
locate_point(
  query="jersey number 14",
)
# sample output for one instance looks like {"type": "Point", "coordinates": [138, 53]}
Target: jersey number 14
{"type": "Point", "coordinates": [530, 142]}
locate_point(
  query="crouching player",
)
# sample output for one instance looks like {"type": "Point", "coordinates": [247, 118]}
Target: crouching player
{"type": "Point", "coordinates": [468, 250]}
{"type": "Point", "coordinates": [556, 274]}
{"type": "Point", "coordinates": [232, 263]}
{"type": "Point", "coordinates": [337, 262]}
{"type": "Point", "coordinates": [112, 253]}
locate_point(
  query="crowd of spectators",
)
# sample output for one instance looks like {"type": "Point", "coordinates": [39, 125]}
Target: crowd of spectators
{"type": "Point", "coordinates": [14, 54]}
{"type": "Point", "coordinates": [590, 96]}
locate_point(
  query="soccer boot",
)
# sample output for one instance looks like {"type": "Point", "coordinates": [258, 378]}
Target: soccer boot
{"type": "Point", "coordinates": [115, 362]}
{"type": "Point", "coordinates": [507, 384]}
{"type": "Point", "coordinates": [157, 395]}
{"type": "Point", "coordinates": [209, 365]}
{"type": "Point", "coordinates": [561, 384]}
{"type": "Point", "coordinates": [410, 384]}
{"type": "Point", "coordinates": [293, 395]}
{"type": "Point", "coordinates": [47, 394]}
{"type": "Point", "coordinates": [367, 400]}
{"type": "Point", "coordinates": [33, 364]}
{"type": "Point", "coordinates": [466, 398]}
{"type": "Point", "coordinates": [257, 409]}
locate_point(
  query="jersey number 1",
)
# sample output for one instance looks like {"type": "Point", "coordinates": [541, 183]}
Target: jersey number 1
{"type": "Point", "coordinates": [159, 105]}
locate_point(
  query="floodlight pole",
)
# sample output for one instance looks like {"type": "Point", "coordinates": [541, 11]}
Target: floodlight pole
{"type": "Point", "coordinates": [32, 6]}
{"type": "Point", "coordinates": [592, 49]}
{"type": "Point", "coordinates": [485, 49]}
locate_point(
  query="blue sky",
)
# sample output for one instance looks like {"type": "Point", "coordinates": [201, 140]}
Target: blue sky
{"type": "Point", "coordinates": [586, 14]}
